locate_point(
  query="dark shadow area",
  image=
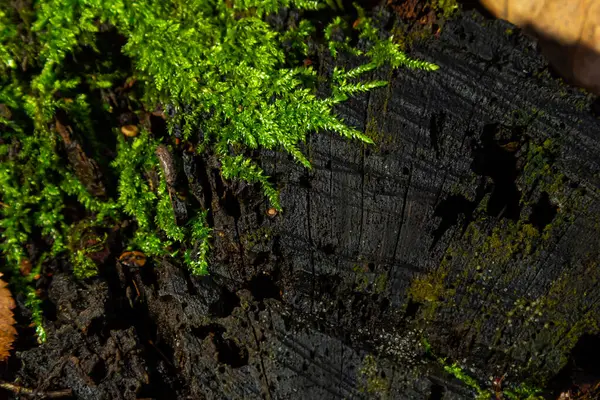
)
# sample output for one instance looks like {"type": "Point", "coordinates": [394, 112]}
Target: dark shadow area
{"type": "Point", "coordinates": [263, 287]}
{"type": "Point", "coordinates": [543, 212]}
{"type": "Point", "coordinates": [98, 140]}
{"type": "Point", "coordinates": [582, 371]}
{"type": "Point", "coordinates": [225, 305]}
{"type": "Point", "coordinates": [494, 157]}
{"type": "Point", "coordinates": [158, 126]}
{"type": "Point", "coordinates": [412, 309]}
{"type": "Point", "coordinates": [228, 351]}
{"type": "Point", "coordinates": [450, 209]}
{"type": "Point", "coordinates": [437, 122]}
{"type": "Point", "coordinates": [202, 332]}
{"type": "Point", "coordinates": [231, 204]}
{"type": "Point", "coordinates": [437, 392]}
{"type": "Point", "coordinates": [595, 108]}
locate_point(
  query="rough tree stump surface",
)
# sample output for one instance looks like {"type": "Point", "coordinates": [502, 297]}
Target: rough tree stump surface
{"type": "Point", "coordinates": [473, 223]}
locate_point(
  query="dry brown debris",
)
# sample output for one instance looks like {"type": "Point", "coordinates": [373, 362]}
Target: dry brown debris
{"type": "Point", "coordinates": [7, 321]}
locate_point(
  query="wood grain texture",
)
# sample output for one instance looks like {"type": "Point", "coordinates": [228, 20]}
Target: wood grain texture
{"type": "Point", "coordinates": [472, 223]}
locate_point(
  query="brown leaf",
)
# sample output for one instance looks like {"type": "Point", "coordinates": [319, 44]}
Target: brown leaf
{"type": "Point", "coordinates": [7, 322]}
{"type": "Point", "coordinates": [569, 33]}
{"type": "Point", "coordinates": [133, 258]}
{"type": "Point", "coordinates": [129, 130]}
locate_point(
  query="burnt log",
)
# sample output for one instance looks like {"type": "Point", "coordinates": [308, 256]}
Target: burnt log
{"type": "Point", "coordinates": [469, 231]}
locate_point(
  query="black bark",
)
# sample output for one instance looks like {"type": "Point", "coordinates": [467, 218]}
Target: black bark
{"type": "Point", "coordinates": [471, 224]}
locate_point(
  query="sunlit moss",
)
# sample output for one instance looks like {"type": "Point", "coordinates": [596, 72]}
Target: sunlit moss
{"type": "Point", "coordinates": [216, 67]}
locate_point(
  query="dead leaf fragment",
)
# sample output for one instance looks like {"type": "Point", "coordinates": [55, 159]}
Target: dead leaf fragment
{"type": "Point", "coordinates": [133, 258]}
{"type": "Point", "coordinates": [129, 130]}
{"type": "Point", "coordinates": [7, 321]}
{"type": "Point", "coordinates": [25, 267]}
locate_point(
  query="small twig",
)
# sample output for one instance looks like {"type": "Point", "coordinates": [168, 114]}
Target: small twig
{"type": "Point", "coordinates": [34, 393]}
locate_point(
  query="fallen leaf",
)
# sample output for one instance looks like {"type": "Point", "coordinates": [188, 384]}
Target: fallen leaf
{"type": "Point", "coordinates": [7, 321]}
{"type": "Point", "coordinates": [130, 130]}
{"type": "Point", "coordinates": [133, 258]}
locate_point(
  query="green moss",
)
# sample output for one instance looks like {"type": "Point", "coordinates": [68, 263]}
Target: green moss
{"type": "Point", "coordinates": [34, 303]}
{"type": "Point", "coordinates": [361, 279]}
{"type": "Point", "coordinates": [257, 237]}
{"type": "Point", "coordinates": [427, 288]}
{"type": "Point", "coordinates": [366, 281]}
{"type": "Point", "coordinates": [456, 371]}
{"type": "Point", "coordinates": [380, 283]}
{"type": "Point", "coordinates": [430, 289]}
{"type": "Point", "coordinates": [510, 254]}
{"type": "Point", "coordinates": [522, 391]}
{"type": "Point", "coordinates": [371, 380]}
{"type": "Point", "coordinates": [84, 242]}
{"type": "Point", "coordinates": [221, 69]}
{"type": "Point", "coordinates": [506, 241]}
{"type": "Point", "coordinates": [445, 8]}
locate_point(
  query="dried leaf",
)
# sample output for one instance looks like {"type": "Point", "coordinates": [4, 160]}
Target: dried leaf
{"type": "Point", "coordinates": [7, 322]}
{"type": "Point", "coordinates": [569, 32]}
{"type": "Point", "coordinates": [133, 258]}
{"type": "Point", "coordinates": [130, 130]}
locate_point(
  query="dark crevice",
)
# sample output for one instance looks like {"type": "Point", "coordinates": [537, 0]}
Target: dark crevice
{"type": "Point", "coordinates": [263, 287]}
{"type": "Point", "coordinates": [225, 305]}
{"type": "Point", "coordinates": [219, 184]}
{"type": "Point", "coordinates": [437, 392]}
{"type": "Point", "coordinates": [384, 305]}
{"type": "Point", "coordinates": [543, 212]}
{"type": "Point", "coordinates": [158, 126]}
{"type": "Point", "coordinates": [230, 353]}
{"type": "Point", "coordinates": [595, 108]}
{"type": "Point", "coordinates": [449, 210]}
{"type": "Point", "coordinates": [203, 331]}
{"type": "Point", "coordinates": [328, 249]}
{"type": "Point", "coordinates": [494, 157]}
{"type": "Point", "coordinates": [98, 372]}
{"type": "Point", "coordinates": [231, 205]}
{"type": "Point", "coordinates": [412, 309]}
{"type": "Point", "coordinates": [436, 127]}
{"type": "Point", "coordinates": [581, 371]}
{"type": "Point", "coordinates": [202, 176]}
{"type": "Point", "coordinates": [304, 182]}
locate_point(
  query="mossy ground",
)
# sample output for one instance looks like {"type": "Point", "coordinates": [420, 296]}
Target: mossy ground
{"type": "Point", "coordinates": [213, 79]}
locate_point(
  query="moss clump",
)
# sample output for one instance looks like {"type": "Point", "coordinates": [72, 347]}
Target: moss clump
{"type": "Point", "coordinates": [522, 391]}
{"type": "Point", "coordinates": [228, 81]}
{"type": "Point", "coordinates": [427, 288]}
{"type": "Point", "coordinates": [505, 242]}
{"type": "Point", "coordinates": [445, 8]}
{"type": "Point", "coordinates": [257, 237]}
{"type": "Point", "coordinates": [372, 381]}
